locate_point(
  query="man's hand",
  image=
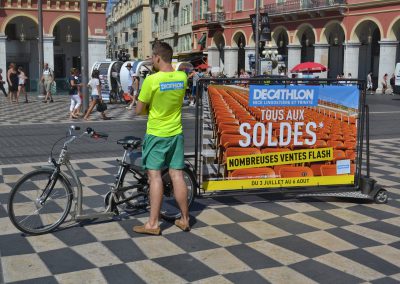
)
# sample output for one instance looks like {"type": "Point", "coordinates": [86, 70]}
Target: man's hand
{"type": "Point", "coordinates": [141, 108]}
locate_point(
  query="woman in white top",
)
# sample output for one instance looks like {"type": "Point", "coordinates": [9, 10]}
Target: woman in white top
{"type": "Point", "coordinates": [95, 95]}
{"type": "Point", "coordinates": [21, 84]}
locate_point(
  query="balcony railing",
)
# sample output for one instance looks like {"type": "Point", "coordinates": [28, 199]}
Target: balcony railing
{"type": "Point", "coordinates": [134, 26]}
{"type": "Point", "coordinates": [299, 5]}
{"type": "Point", "coordinates": [134, 43]}
{"type": "Point", "coordinates": [174, 29]}
{"type": "Point", "coordinates": [163, 4]}
{"type": "Point", "coordinates": [215, 18]}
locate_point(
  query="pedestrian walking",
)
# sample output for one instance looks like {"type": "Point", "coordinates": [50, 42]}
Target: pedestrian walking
{"type": "Point", "coordinates": [47, 79]}
{"type": "Point", "coordinates": [392, 83]}
{"type": "Point", "coordinates": [78, 78]}
{"type": "Point", "coordinates": [12, 79]}
{"type": "Point", "coordinates": [74, 95]}
{"type": "Point", "coordinates": [133, 86]}
{"type": "Point", "coordinates": [2, 82]}
{"type": "Point", "coordinates": [369, 82]}
{"type": "Point", "coordinates": [195, 76]}
{"type": "Point", "coordinates": [95, 95]}
{"type": "Point", "coordinates": [21, 84]}
{"type": "Point", "coordinates": [162, 94]}
{"type": "Point", "coordinates": [384, 83]}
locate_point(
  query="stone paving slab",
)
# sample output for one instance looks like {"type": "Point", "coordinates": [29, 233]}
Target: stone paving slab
{"type": "Point", "coordinates": [37, 112]}
{"type": "Point", "coordinates": [254, 238]}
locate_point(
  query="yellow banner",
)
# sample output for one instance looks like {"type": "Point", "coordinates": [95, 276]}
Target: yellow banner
{"type": "Point", "coordinates": [279, 158]}
{"type": "Point", "coordinates": [239, 184]}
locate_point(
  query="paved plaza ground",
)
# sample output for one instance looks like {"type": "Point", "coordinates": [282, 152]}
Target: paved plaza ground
{"type": "Point", "coordinates": [253, 238]}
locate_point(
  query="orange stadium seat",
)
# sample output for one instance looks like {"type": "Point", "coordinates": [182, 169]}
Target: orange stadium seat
{"type": "Point", "coordinates": [287, 172]}
{"type": "Point", "coordinates": [253, 173]}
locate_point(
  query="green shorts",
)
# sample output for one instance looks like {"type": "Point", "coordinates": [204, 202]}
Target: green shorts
{"type": "Point", "coordinates": [163, 152]}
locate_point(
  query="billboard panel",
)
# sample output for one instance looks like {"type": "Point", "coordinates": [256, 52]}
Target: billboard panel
{"type": "Point", "coordinates": [274, 136]}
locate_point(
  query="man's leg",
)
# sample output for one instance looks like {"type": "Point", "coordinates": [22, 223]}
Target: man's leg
{"type": "Point", "coordinates": [3, 90]}
{"type": "Point", "coordinates": [180, 193]}
{"type": "Point", "coordinates": [156, 195]}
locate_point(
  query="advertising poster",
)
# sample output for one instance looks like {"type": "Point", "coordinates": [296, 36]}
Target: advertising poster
{"type": "Point", "coordinates": [276, 136]}
{"type": "Point", "coordinates": [104, 80]}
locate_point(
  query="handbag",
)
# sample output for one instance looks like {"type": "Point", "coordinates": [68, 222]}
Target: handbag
{"type": "Point", "coordinates": [101, 106]}
{"type": "Point", "coordinates": [53, 88]}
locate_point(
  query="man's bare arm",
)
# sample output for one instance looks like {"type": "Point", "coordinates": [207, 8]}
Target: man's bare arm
{"type": "Point", "coordinates": [141, 108]}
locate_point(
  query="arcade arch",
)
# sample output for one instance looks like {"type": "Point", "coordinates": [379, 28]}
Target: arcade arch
{"type": "Point", "coordinates": [306, 37]}
{"type": "Point", "coordinates": [66, 44]}
{"type": "Point", "coordinates": [368, 34]}
{"type": "Point", "coordinates": [239, 39]}
{"type": "Point", "coordinates": [22, 33]}
{"type": "Point", "coordinates": [334, 35]}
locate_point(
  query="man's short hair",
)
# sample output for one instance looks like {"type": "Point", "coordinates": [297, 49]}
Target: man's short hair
{"type": "Point", "coordinates": [164, 50]}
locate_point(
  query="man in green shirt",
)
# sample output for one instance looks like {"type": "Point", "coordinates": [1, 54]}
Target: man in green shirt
{"type": "Point", "coordinates": [162, 96]}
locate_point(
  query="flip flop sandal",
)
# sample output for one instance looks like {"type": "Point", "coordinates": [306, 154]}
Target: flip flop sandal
{"type": "Point", "coordinates": [143, 230]}
{"type": "Point", "coordinates": [182, 226]}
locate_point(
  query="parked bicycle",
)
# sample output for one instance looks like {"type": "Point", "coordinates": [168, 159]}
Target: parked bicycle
{"type": "Point", "coordinates": [41, 200]}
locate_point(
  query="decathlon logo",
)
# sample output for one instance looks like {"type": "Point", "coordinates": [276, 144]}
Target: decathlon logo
{"type": "Point", "coordinates": [283, 96]}
{"type": "Point", "coordinates": [169, 86]}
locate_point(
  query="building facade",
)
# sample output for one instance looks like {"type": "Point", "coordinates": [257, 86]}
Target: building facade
{"type": "Point", "coordinates": [129, 29]}
{"type": "Point", "coordinates": [172, 23]}
{"type": "Point", "coordinates": [61, 35]}
{"type": "Point", "coordinates": [348, 36]}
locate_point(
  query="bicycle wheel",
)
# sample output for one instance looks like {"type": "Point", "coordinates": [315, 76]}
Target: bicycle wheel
{"type": "Point", "coordinates": [24, 206]}
{"type": "Point", "coordinates": [169, 207]}
{"type": "Point", "coordinates": [128, 179]}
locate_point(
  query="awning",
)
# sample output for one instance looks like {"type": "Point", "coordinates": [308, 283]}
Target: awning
{"type": "Point", "coordinates": [192, 57]}
{"type": "Point", "coordinates": [202, 40]}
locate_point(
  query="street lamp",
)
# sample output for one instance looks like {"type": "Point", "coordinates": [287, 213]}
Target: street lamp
{"type": "Point", "coordinates": [68, 37]}
{"type": "Point", "coordinates": [22, 35]}
{"type": "Point", "coordinates": [271, 54]}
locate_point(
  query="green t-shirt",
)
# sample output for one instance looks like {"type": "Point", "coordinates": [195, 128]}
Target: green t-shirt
{"type": "Point", "coordinates": [163, 92]}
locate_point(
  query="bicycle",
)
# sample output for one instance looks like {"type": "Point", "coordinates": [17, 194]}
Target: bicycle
{"type": "Point", "coordinates": [41, 200]}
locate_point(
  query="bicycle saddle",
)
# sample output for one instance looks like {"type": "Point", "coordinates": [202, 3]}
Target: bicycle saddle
{"type": "Point", "coordinates": [130, 141]}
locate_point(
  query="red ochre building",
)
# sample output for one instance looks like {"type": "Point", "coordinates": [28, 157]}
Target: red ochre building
{"type": "Point", "coordinates": [348, 36]}
{"type": "Point", "coordinates": [61, 35]}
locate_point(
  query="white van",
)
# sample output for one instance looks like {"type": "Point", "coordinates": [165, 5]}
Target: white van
{"type": "Point", "coordinates": [397, 82]}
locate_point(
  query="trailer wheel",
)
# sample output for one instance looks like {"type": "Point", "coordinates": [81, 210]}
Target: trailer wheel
{"type": "Point", "coordinates": [381, 197]}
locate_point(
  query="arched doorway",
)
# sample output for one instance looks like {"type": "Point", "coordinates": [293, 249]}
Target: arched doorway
{"type": "Point", "coordinates": [395, 35]}
{"type": "Point", "coordinates": [369, 36]}
{"type": "Point", "coordinates": [282, 41]}
{"type": "Point", "coordinates": [220, 44]}
{"type": "Point", "coordinates": [22, 44]}
{"type": "Point", "coordinates": [66, 47]}
{"type": "Point", "coordinates": [307, 41]}
{"type": "Point", "coordinates": [335, 37]}
{"type": "Point", "coordinates": [240, 41]}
